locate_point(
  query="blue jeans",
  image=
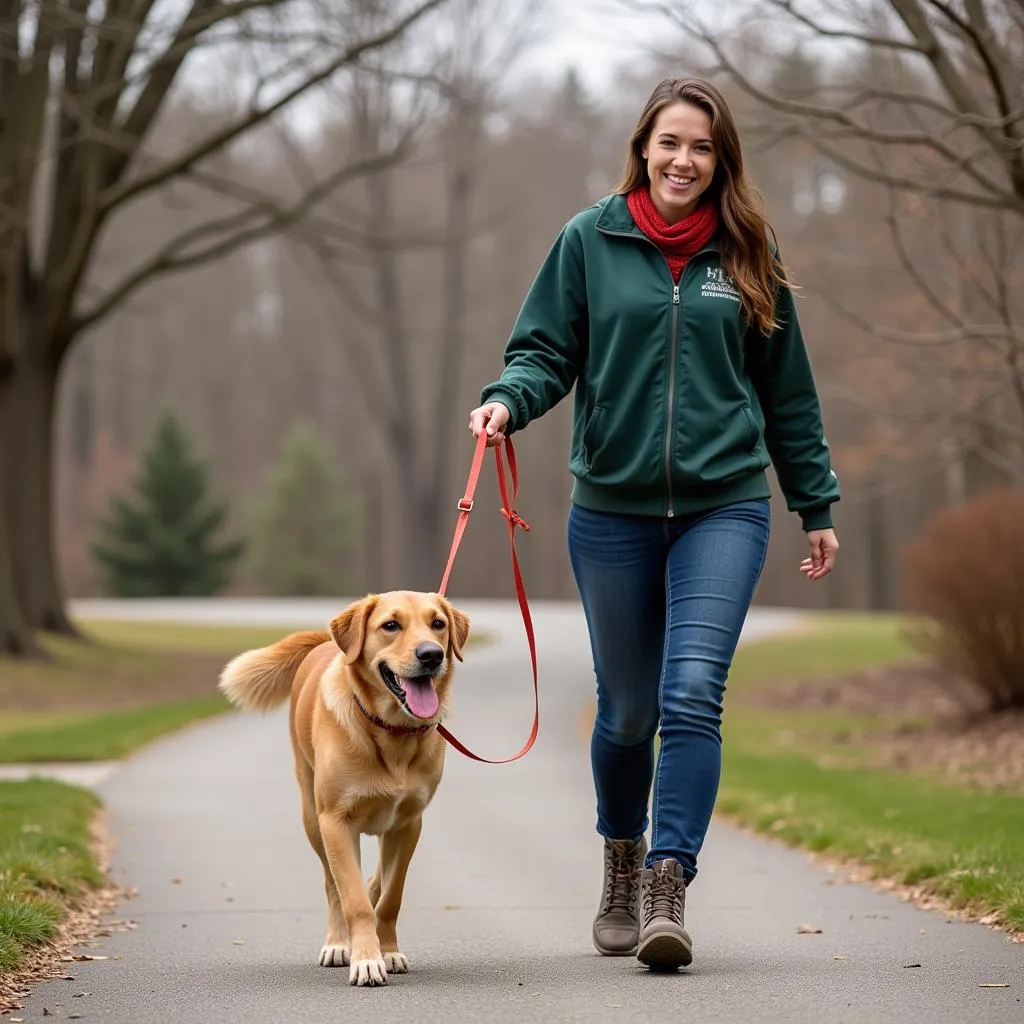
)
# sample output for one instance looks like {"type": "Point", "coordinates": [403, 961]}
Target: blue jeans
{"type": "Point", "coordinates": [664, 600]}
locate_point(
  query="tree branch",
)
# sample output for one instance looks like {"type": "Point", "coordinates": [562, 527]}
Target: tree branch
{"type": "Point", "coordinates": [235, 226]}
{"type": "Point", "coordinates": [879, 42]}
{"type": "Point", "coordinates": [904, 183]}
{"type": "Point", "coordinates": [911, 267]}
{"type": "Point", "coordinates": [371, 383]}
{"type": "Point", "coordinates": [121, 191]}
{"type": "Point", "coordinates": [953, 82]}
{"type": "Point", "coordinates": [987, 333]}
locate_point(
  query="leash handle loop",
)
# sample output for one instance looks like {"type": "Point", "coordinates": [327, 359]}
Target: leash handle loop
{"type": "Point", "coordinates": [465, 507]}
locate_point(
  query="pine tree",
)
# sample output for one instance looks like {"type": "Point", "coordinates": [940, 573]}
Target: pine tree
{"type": "Point", "coordinates": [303, 531]}
{"type": "Point", "coordinates": [161, 540]}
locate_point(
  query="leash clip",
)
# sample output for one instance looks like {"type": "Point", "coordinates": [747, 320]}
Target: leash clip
{"type": "Point", "coordinates": [515, 518]}
{"type": "Point", "coordinates": [465, 505]}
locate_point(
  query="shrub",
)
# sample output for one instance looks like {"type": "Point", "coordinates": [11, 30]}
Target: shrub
{"type": "Point", "coordinates": [305, 527]}
{"type": "Point", "coordinates": [162, 540]}
{"type": "Point", "coordinates": [965, 577]}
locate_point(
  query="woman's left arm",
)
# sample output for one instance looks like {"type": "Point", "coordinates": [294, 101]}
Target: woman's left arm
{"type": "Point", "coordinates": [780, 369]}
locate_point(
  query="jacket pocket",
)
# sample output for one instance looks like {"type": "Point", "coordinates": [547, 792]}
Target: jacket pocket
{"type": "Point", "coordinates": [758, 446]}
{"type": "Point", "coordinates": [753, 430]}
{"type": "Point", "coordinates": [592, 437]}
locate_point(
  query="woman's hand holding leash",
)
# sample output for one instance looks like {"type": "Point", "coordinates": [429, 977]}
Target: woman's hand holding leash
{"type": "Point", "coordinates": [824, 546]}
{"type": "Point", "coordinates": [492, 417]}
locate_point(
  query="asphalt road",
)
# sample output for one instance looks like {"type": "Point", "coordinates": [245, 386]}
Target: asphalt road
{"type": "Point", "coordinates": [230, 911]}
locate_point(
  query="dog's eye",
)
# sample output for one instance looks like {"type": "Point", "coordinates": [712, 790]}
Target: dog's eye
{"type": "Point", "coordinates": [438, 624]}
{"type": "Point", "coordinates": [391, 626]}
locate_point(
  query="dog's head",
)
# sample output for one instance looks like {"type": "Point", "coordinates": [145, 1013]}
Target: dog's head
{"type": "Point", "coordinates": [402, 647]}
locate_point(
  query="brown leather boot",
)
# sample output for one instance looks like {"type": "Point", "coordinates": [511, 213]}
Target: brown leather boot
{"type": "Point", "coordinates": [664, 944]}
{"type": "Point", "coordinates": [617, 925]}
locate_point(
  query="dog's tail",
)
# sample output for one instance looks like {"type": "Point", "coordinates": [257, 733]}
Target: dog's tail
{"type": "Point", "coordinates": [262, 679]}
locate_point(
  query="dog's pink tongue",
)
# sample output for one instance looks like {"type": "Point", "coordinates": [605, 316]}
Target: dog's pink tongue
{"type": "Point", "coordinates": [421, 697]}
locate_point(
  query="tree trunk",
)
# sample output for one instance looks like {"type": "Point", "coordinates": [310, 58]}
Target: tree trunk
{"type": "Point", "coordinates": [32, 512]}
{"type": "Point", "coordinates": [423, 546]}
{"type": "Point", "coordinates": [16, 636]}
{"type": "Point", "coordinates": [449, 417]}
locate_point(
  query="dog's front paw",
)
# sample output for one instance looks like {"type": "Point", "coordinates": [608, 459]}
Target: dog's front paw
{"type": "Point", "coordinates": [371, 971]}
{"type": "Point", "coordinates": [334, 956]}
{"type": "Point", "coordinates": [396, 963]}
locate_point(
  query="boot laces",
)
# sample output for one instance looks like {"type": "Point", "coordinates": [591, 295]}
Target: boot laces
{"type": "Point", "coordinates": [664, 896]}
{"type": "Point", "coordinates": [622, 876]}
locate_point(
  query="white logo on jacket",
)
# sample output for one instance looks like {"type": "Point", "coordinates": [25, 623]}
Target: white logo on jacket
{"type": "Point", "coordinates": [719, 285]}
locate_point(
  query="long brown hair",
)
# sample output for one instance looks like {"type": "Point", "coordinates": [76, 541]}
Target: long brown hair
{"type": "Point", "coordinates": [746, 253]}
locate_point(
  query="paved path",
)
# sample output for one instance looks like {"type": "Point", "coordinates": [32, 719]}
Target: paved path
{"type": "Point", "coordinates": [501, 892]}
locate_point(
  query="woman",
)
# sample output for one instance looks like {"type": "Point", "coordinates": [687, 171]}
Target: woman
{"type": "Point", "coordinates": [667, 307]}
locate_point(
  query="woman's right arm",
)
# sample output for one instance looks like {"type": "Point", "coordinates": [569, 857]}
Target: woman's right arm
{"type": "Point", "coordinates": [548, 343]}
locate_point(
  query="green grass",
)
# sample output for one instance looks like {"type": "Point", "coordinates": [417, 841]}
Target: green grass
{"type": "Point", "coordinates": [45, 861]}
{"type": "Point", "coordinates": [963, 846]}
{"type": "Point", "coordinates": [132, 683]}
{"type": "Point", "coordinates": [102, 737]}
{"type": "Point", "coordinates": [831, 645]}
{"type": "Point", "coordinates": [957, 842]}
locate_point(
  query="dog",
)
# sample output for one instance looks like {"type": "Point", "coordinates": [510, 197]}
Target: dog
{"type": "Point", "coordinates": [366, 698]}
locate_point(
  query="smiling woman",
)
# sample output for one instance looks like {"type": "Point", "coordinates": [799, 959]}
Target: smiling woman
{"type": "Point", "coordinates": [667, 310]}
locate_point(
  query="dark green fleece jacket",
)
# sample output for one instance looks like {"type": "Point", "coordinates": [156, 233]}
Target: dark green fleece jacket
{"type": "Point", "coordinates": [679, 402]}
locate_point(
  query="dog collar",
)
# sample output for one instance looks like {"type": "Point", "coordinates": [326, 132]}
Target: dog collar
{"type": "Point", "coordinates": [395, 730]}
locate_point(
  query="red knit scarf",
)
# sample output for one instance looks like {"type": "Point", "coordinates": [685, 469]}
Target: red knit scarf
{"type": "Point", "coordinates": [679, 241]}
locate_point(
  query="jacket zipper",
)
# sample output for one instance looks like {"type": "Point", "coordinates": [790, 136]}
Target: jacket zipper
{"type": "Point", "coordinates": [674, 338]}
{"type": "Point", "coordinates": [673, 344]}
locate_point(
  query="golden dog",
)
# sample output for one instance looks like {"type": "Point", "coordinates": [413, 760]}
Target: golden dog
{"type": "Point", "coordinates": [365, 700]}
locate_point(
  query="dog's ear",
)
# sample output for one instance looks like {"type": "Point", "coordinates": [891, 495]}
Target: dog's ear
{"type": "Point", "coordinates": [458, 629]}
{"type": "Point", "coordinates": [349, 628]}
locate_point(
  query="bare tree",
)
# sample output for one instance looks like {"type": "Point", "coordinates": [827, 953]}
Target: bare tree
{"type": "Point", "coordinates": [409, 368]}
{"type": "Point", "coordinates": [82, 89]}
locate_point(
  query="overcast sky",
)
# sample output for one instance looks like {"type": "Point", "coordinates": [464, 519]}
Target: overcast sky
{"type": "Point", "coordinates": [594, 36]}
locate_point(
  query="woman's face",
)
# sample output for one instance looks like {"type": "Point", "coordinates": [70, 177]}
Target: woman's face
{"type": "Point", "coordinates": [681, 159]}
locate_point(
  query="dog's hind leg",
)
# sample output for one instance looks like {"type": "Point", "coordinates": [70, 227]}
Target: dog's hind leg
{"type": "Point", "coordinates": [396, 850]}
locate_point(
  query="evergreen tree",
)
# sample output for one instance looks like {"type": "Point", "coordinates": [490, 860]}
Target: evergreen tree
{"type": "Point", "coordinates": [303, 530]}
{"type": "Point", "coordinates": [161, 540]}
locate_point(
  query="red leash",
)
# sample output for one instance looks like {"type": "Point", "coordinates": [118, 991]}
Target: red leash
{"type": "Point", "coordinates": [514, 520]}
